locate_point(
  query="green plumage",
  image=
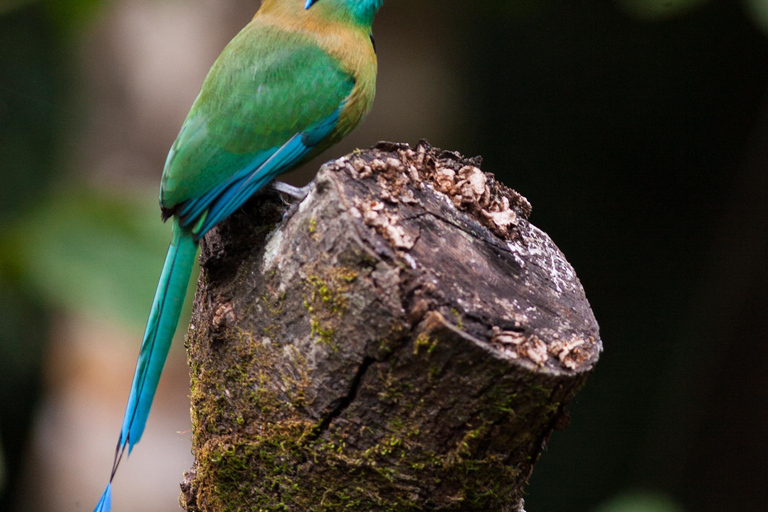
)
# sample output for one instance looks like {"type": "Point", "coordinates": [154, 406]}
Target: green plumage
{"type": "Point", "coordinates": [266, 86]}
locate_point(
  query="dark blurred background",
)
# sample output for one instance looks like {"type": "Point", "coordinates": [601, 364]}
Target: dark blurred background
{"type": "Point", "coordinates": [638, 129]}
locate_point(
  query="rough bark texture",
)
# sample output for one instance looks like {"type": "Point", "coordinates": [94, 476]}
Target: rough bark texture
{"type": "Point", "coordinates": [404, 340]}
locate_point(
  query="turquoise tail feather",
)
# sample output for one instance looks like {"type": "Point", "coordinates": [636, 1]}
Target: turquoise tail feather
{"type": "Point", "coordinates": [105, 503]}
{"type": "Point", "coordinates": [161, 326]}
{"type": "Point", "coordinates": [163, 318]}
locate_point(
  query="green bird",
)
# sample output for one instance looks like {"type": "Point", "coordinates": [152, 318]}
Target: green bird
{"type": "Point", "coordinates": [298, 78]}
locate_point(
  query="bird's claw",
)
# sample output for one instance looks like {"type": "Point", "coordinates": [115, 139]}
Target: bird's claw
{"type": "Point", "coordinates": [297, 193]}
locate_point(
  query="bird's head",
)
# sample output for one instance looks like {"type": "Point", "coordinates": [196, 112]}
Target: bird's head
{"type": "Point", "coordinates": [355, 11]}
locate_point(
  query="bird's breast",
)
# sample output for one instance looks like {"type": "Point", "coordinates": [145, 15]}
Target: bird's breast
{"type": "Point", "coordinates": [351, 47]}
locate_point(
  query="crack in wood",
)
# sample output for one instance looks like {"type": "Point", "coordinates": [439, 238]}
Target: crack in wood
{"type": "Point", "coordinates": [344, 401]}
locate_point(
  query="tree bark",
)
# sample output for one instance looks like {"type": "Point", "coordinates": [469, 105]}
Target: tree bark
{"type": "Point", "coordinates": [403, 340]}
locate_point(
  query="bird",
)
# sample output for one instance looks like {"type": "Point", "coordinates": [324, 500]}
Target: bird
{"type": "Point", "coordinates": [293, 82]}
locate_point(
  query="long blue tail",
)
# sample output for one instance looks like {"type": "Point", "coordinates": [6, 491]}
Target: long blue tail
{"type": "Point", "coordinates": [161, 326]}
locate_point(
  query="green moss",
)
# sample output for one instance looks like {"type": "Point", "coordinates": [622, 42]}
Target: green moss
{"type": "Point", "coordinates": [273, 451]}
{"type": "Point", "coordinates": [457, 319]}
{"type": "Point", "coordinates": [274, 303]}
{"type": "Point", "coordinates": [330, 290]}
{"type": "Point", "coordinates": [542, 389]}
{"type": "Point", "coordinates": [423, 341]}
{"type": "Point", "coordinates": [324, 334]}
{"type": "Point", "coordinates": [275, 457]}
{"type": "Point", "coordinates": [326, 301]}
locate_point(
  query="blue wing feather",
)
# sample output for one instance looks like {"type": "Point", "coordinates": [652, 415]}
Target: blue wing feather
{"type": "Point", "coordinates": [229, 201]}
{"type": "Point", "coordinates": [224, 199]}
{"type": "Point", "coordinates": [194, 208]}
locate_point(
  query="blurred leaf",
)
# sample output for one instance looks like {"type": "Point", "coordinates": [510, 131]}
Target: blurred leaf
{"type": "Point", "coordinates": [72, 14]}
{"type": "Point", "coordinates": [758, 11]}
{"type": "Point", "coordinates": [67, 14]}
{"type": "Point", "coordinates": [640, 502]}
{"type": "Point", "coordinates": [91, 253]}
{"type": "Point", "coordinates": [654, 10]}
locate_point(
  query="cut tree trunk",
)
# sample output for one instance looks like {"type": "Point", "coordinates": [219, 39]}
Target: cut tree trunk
{"type": "Point", "coordinates": [402, 340]}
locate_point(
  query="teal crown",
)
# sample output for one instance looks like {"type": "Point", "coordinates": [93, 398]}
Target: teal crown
{"type": "Point", "coordinates": [362, 11]}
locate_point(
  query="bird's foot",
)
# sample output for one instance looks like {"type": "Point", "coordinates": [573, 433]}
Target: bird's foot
{"type": "Point", "coordinates": [297, 193]}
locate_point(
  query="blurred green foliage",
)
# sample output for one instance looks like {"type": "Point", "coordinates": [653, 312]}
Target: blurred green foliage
{"type": "Point", "coordinates": [640, 502]}
{"type": "Point", "coordinates": [72, 14]}
{"type": "Point", "coordinates": [75, 248]}
{"type": "Point", "coordinates": [69, 15]}
{"type": "Point", "coordinates": [89, 252]}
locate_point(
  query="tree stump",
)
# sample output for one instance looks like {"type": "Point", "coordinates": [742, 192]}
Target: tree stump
{"type": "Point", "coordinates": [404, 340]}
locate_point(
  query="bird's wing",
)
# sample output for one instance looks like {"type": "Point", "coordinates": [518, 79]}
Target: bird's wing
{"type": "Point", "coordinates": [270, 100]}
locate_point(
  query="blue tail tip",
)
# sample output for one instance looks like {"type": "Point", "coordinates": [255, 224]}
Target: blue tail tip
{"type": "Point", "coordinates": [105, 503]}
